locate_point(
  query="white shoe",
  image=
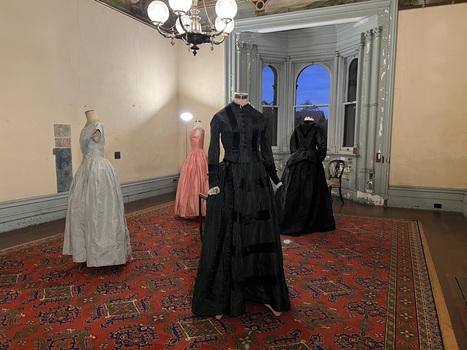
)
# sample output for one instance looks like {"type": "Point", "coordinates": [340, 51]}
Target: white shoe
{"type": "Point", "coordinates": [276, 313]}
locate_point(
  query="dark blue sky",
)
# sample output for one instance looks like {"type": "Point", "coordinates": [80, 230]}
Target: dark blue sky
{"type": "Point", "coordinates": [313, 85]}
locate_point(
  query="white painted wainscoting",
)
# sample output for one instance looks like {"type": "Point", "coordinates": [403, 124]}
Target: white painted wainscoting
{"type": "Point", "coordinates": [37, 210]}
{"type": "Point", "coordinates": [443, 199]}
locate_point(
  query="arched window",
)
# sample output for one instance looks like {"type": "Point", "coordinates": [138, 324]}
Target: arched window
{"type": "Point", "coordinates": [312, 95]}
{"type": "Point", "coordinates": [350, 105]}
{"type": "Point", "coordinates": [269, 100]}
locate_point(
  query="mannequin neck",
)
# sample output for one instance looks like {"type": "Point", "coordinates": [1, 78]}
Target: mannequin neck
{"type": "Point", "coordinates": [91, 117]}
{"type": "Point", "coordinates": [197, 124]}
{"type": "Point", "coordinates": [240, 98]}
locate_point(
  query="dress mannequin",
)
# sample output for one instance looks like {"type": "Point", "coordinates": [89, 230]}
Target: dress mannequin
{"type": "Point", "coordinates": [304, 203]}
{"type": "Point", "coordinates": [241, 258]}
{"type": "Point", "coordinates": [96, 233]}
{"type": "Point", "coordinates": [193, 177]}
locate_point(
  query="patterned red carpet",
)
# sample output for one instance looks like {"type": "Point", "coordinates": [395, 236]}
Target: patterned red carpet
{"type": "Point", "coordinates": [363, 286]}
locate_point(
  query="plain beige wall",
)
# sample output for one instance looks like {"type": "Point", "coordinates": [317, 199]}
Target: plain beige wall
{"type": "Point", "coordinates": [201, 85]}
{"type": "Point", "coordinates": [59, 58]}
{"type": "Point", "coordinates": [429, 135]}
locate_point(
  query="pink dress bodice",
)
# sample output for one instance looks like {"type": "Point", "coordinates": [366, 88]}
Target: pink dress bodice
{"type": "Point", "coordinates": [197, 139]}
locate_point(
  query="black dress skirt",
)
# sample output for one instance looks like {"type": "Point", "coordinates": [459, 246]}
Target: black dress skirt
{"type": "Point", "coordinates": [303, 202]}
{"type": "Point", "coordinates": [241, 258]}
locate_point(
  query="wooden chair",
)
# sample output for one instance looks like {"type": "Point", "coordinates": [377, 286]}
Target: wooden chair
{"type": "Point", "coordinates": [334, 171]}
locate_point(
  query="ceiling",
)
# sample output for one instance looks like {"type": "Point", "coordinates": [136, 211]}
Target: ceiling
{"type": "Point", "coordinates": [137, 9]}
{"type": "Point", "coordinates": [246, 8]}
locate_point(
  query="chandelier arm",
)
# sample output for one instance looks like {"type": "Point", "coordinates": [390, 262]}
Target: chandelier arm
{"type": "Point", "coordinates": [221, 32]}
{"type": "Point", "coordinates": [169, 34]}
{"type": "Point", "coordinates": [183, 38]}
{"type": "Point", "coordinates": [215, 42]}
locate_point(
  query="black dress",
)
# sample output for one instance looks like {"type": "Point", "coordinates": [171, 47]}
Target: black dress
{"type": "Point", "coordinates": [303, 202]}
{"type": "Point", "coordinates": [241, 257]}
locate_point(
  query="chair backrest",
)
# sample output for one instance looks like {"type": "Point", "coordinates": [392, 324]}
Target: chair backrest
{"type": "Point", "coordinates": [335, 169]}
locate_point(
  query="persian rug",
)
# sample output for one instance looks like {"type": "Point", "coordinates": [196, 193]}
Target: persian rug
{"type": "Point", "coordinates": [363, 286]}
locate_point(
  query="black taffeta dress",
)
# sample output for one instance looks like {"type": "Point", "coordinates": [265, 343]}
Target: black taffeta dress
{"type": "Point", "coordinates": [303, 202]}
{"type": "Point", "coordinates": [241, 258]}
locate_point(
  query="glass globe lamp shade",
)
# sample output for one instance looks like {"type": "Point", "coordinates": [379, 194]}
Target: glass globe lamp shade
{"type": "Point", "coordinates": [180, 5]}
{"type": "Point", "coordinates": [181, 28]}
{"type": "Point", "coordinates": [226, 28]}
{"type": "Point", "coordinates": [158, 12]}
{"type": "Point", "coordinates": [226, 8]}
{"type": "Point", "coordinates": [186, 116]}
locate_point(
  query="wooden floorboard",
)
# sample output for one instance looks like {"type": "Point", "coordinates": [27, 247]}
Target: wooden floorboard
{"type": "Point", "coordinates": [462, 282]}
{"type": "Point", "coordinates": [445, 234]}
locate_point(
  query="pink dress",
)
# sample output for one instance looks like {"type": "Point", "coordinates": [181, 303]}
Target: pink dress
{"type": "Point", "coordinates": [193, 178]}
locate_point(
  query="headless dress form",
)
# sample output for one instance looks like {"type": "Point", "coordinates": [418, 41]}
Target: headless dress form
{"type": "Point", "coordinates": [95, 230]}
{"type": "Point", "coordinates": [193, 178]}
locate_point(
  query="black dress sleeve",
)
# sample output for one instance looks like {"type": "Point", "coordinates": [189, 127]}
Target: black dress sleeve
{"type": "Point", "coordinates": [321, 143]}
{"type": "Point", "coordinates": [213, 153]}
{"type": "Point", "coordinates": [294, 143]}
{"type": "Point", "coordinates": [266, 152]}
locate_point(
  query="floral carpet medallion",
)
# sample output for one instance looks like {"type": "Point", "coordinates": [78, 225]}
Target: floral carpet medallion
{"type": "Point", "coordinates": [363, 286]}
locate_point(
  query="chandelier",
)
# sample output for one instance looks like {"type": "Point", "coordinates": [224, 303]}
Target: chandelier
{"type": "Point", "coordinates": [187, 25]}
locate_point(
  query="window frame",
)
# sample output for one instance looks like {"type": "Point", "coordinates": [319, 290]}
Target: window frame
{"type": "Point", "coordinates": [345, 102]}
{"type": "Point", "coordinates": [294, 97]}
{"type": "Point", "coordinates": [275, 106]}
{"type": "Point", "coordinates": [279, 65]}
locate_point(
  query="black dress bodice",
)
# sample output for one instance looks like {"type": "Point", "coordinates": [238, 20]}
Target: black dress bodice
{"type": "Point", "coordinates": [244, 136]}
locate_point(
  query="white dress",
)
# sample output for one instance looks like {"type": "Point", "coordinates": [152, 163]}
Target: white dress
{"type": "Point", "coordinates": [95, 229]}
